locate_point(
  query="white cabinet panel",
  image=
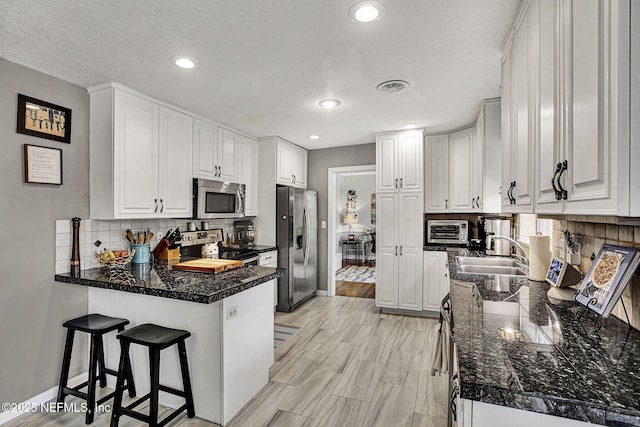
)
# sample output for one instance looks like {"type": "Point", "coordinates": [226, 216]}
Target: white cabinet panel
{"type": "Point", "coordinates": [386, 170]}
{"type": "Point", "coordinates": [437, 173]}
{"type": "Point", "coordinates": [136, 157]}
{"type": "Point", "coordinates": [460, 167]}
{"type": "Point", "coordinates": [175, 157]}
{"type": "Point", "coordinates": [410, 251]}
{"type": "Point", "coordinates": [435, 279]}
{"type": "Point", "coordinates": [227, 155]}
{"type": "Point", "coordinates": [386, 251]}
{"type": "Point", "coordinates": [291, 165]}
{"type": "Point", "coordinates": [410, 147]}
{"type": "Point", "coordinates": [507, 117]}
{"type": "Point", "coordinates": [399, 161]}
{"type": "Point", "coordinates": [248, 173]}
{"type": "Point", "coordinates": [485, 414]}
{"type": "Point", "coordinates": [205, 146]}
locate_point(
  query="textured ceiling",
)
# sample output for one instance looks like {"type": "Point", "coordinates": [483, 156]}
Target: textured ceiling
{"type": "Point", "coordinates": [264, 65]}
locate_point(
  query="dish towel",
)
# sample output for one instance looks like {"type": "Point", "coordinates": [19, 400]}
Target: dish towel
{"type": "Point", "coordinates": [440, 350]}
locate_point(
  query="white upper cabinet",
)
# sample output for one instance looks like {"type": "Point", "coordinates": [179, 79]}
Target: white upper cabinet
{"type": "Point", "coordinates": [487, 158]}
{"type": "Point", "coordinates": [248, 171]}
{"type": "Point", "coordinates": [205, 149]}
{"type": "Point", "coordinates": [436, 173]}
{"type": "Point", "coordinates": [506, 179]}
{"type": "Point", "coordinates": [291, 164]}
{"type": "Point", "coordinates": [399, 161]}
{"type": "Point", "coordinates": [573, 67]}
{"type": "Point", "coordinates": [140, 156]}
{"type": "Point", "coordinates": [215, 154]}
{"type": "Point", "coordinates": [227, 155]}
{"type": "Point", "coordinates": [175, 155]}
{"type": "Point", "coordinates": [460, 170]}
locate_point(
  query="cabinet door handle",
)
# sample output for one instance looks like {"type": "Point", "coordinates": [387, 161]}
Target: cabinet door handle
{"type": "Point", "coordinates": [473, 203]}
{"type": "Point", "coordinates": [563, 192]}
{"type": "Point", "coordinates": [161, 206]}
{"type": "Point", "coordinates": [396, 251]}
{"type": "Point", "coordinates": [553, 181]}
{"type": "Point", "coordinates": [512, 196]}
{"type": "Point", "coordinates": [400, 182]}
{"type": "Point", "coordinates": [446, 203]}
{"type": "Point", "coordinates": [478, 202]}
{"type": "Point", "coordinates": [155, 201]}
{"type": "Point", "coordinates": [400, 250]}
{"type": "Point", "coordinates": [396, 182]}
{"type": "Point", "coordinates": [215, 167]}
{"type": "Point", "coordinates": [295, 179]}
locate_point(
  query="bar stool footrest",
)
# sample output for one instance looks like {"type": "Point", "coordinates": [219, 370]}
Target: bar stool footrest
{"type": "Point", "coordinates": [73, 392]}
{"type": "Point", "coordinates": [173, 391]}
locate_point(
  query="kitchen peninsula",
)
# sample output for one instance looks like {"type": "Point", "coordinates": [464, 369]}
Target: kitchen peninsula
{"type": "Point", "coordinates": [230, 317]}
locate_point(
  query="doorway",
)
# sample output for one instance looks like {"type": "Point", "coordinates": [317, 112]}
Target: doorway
{"type": "Point", "coordinates": [351, 231]}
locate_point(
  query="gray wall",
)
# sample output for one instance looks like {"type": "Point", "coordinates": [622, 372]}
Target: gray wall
{"type": "Point", "coordinates": [33, 306]}
{"type": "Point", "coordinates": [318, 164]}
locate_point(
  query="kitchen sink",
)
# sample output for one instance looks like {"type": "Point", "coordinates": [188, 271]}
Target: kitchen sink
{"type": "Point", "coordinates": [498, 266]}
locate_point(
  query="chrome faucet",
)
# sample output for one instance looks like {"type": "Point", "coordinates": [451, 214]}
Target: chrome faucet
{"type": "Point", "coordinates": [516, 245]}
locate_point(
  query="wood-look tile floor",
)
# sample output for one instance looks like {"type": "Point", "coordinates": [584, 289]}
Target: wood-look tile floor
{"type": "Point", "coordinates": [348, 365]}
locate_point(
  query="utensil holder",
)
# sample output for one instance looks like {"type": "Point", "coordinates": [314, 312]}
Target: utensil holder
{"type": "Point", "coordinates": [142, 253]}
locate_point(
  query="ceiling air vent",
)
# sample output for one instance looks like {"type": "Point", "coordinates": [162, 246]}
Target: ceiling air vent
{"type": "Point", "coordinates": [392, 86]}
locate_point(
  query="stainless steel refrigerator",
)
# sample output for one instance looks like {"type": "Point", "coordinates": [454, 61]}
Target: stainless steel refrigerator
{"type": "Point", "coordinates": [297, 240]}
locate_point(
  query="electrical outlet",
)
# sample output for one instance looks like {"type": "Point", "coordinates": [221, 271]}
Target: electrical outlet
{"type": "Point", "coordinates": [323, 224]}
{"type": "Point", "coordinates": [232, 312]}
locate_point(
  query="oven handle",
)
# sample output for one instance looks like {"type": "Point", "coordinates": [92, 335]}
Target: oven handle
{"type": "Point", "coordinates": [445, 311]}
{"type": "Point", "coordinates": [255, 259]}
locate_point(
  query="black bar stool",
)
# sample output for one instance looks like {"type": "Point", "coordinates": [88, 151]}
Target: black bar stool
{"type": "Point", "coordinates": [156, 338]}
{"type": "Point", "coordinates": [96, 325]}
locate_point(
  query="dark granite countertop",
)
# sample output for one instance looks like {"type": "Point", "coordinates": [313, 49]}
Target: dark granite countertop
{"type": "Point", "coordinates": [560, 365]}
{"type": "Point", "coordinates": [161, 281]}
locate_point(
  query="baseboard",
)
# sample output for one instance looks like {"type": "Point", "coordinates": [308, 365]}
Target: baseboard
{"type": "Point", "coordinates": [320, 293]}
{"type": "Point", "coordinates": [43, 397]}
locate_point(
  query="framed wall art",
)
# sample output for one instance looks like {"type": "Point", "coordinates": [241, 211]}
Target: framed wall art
{"type": "Point", "coordinates": [42, 165]}
{"type": "Point", "coordinates": [43, 119]}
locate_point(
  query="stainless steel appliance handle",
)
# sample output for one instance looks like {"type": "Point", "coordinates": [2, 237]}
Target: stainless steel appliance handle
{"type": "Point", "coordinates": [307, 230]}
{"type": "Point", "coordinates": [254, 259]}
{"type": "Point", "coordinates": [240, 207]}
{"type": "Point", "coordinates": [445, 311]}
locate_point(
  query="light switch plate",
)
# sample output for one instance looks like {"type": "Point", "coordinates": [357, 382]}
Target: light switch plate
{"type": "Point", "coordinates": [323, 224]}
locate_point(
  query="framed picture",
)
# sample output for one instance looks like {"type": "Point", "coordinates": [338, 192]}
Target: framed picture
{"type": "Point", "coordinates": [43, 119]}
{"type": "Point", "coordinates": [42, 165]}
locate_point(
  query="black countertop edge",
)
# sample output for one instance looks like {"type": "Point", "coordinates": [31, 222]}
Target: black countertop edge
{"type": "Point", "coordinates": [201, 295]}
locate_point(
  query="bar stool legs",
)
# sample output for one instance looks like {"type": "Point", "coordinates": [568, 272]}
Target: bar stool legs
{"type": "Point", "coordinates": [96, 326]}
{"type": "Point", "coordinates": [156, 338]}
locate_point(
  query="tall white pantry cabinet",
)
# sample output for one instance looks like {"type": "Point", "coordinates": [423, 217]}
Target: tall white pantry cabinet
{"type": "Point", "coordinates": [399, 200]}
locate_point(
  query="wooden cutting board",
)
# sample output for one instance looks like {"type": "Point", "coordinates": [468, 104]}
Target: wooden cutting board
{"type": "Point", "coordinates": [209, 265]}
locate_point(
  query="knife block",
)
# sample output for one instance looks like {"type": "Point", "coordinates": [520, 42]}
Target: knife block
{"type": "Point", "coordinates": [162, 251]}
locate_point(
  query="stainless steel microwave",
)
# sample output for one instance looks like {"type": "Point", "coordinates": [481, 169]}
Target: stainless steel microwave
{"type": "Point", "coordinates": [217, 199]}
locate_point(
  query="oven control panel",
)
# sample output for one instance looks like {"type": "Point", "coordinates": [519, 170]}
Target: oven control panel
{"type": "Point", "coordinates": [192, 238]}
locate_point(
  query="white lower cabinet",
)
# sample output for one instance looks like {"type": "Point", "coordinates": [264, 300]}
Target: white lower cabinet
{"type": "Point", "coordinates": [270, 259]}
{"type": "Point", "coordinates": [480, 414]}
{"type": "Point", "coordinates": [435, 279]}
{"type": "Point", "coordinates": [399, 251]}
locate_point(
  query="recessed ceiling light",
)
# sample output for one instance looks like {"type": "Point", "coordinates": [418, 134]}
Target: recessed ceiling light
{"type": "Point", "coordinates": [184, 62]}
{"type": "Point", "coordinates": [329, 103]}
{"type": "Point", "coordinates": [367, 11]}
{"type": "Point", "coordinates": [410, 126]}
{"type": "Point", "coordinates": [314, 137]}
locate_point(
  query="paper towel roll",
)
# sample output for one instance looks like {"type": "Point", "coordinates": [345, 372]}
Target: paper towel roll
{"type": "Point", "coordinates": [539, 257]}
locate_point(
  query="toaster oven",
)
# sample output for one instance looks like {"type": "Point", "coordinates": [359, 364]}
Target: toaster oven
{"type": "Point", "coordinates": [447, 232]}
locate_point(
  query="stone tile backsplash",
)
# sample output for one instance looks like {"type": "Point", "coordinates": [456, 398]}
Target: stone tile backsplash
{"type": "Point", "coordinates": [592, 236]}
{"type": "Point", "coordinates": [111, 235]}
